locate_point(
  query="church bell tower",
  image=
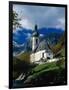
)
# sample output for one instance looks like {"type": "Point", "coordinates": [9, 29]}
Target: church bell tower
{"type": "Point", "coordinates": [35, 38]}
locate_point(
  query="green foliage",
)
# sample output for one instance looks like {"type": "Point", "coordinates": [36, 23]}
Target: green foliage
{"type": "Point", "coordinates": [59, 46]}
{"type": "Point", "coordinates": [44, 66]}
{"type": "Point", "coordinates": [16, 20]}
{"type": "Point", "coordinates": [47, 74]}
{"type": "Point", "coordinates": [39, 69]}
{"type": "Point", "coordinates": [21, 66]}
{"type": "Point", "coordinates": [61, 63]}
{"type": "Point", "coordinates": [24, 57]}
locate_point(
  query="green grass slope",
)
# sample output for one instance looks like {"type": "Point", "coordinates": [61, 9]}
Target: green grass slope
{"type": "Point", "coordinates": [48, 73]}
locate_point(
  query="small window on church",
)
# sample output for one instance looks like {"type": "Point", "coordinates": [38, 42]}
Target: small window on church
{"type": "Point", "coordinates": [42, 55]}
{"type": "Point", "coordinates": [48, 57]}
{"type": "Point", "coordinates": [36, 41]}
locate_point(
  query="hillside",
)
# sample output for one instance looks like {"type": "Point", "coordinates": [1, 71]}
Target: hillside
{"type": "Point", "coordinates": [20, 66]}
{"type": "Point", "coordinates": [24, 56]}
{"type": "Point", "coordinates": [45, 74]}
{"type": "Point", "coordinates": [50, 73]}
{"type": "Point", "coordinates": [60, 46]}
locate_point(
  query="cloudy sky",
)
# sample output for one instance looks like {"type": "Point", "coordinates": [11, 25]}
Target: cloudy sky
{"type": "Point", "coordinates": [43, 16]}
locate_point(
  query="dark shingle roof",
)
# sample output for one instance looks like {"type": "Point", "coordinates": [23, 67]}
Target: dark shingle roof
{"type": "Point", "coordinates": [42, 46]}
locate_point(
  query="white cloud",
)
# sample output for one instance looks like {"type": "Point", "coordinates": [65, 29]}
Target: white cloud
{"type": "Point", "coordinates": [61, 23]}
{"type": "Point", "coordinates": [26, 24]}
{"type": "Point", "coordinates": [42, 16]}
{"type": "Point", "coordinates": [41, 35]}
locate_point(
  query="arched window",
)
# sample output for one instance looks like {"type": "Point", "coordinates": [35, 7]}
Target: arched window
{"type": "Point", "coordinates": [36, 41]}
{"type": "Point", "coordinates": [42, 55]}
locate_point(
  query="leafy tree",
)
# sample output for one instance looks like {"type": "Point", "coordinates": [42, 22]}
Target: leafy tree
{"type": "Point", "coordinates": [16, 20]}
{"type": "Point", "coordinates": [60, 63]}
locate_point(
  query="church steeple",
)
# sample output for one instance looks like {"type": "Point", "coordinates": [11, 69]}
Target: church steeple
{"type": "Point", "coordinates": [35, 38]}
{"type": "Point", "coordinates": [35, 27]}
{"type": "Point", "coordinates": [35, 32]}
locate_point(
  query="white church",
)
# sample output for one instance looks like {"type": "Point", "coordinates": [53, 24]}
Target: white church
{"type": "Point", "coordinates": [40, 50]}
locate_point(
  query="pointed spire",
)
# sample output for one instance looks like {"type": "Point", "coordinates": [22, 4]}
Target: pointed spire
{"type": "Point", "coordinates": [35, 32]}
{"type": "Point", "coordinates": [36, 27]}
